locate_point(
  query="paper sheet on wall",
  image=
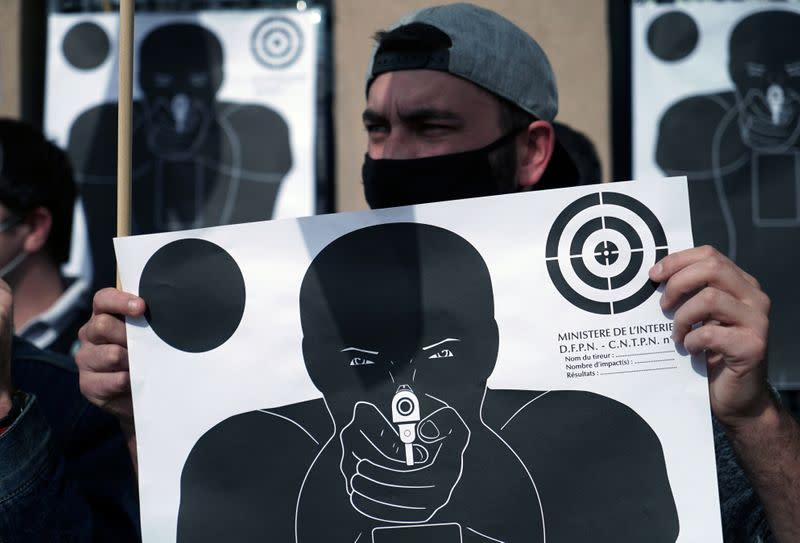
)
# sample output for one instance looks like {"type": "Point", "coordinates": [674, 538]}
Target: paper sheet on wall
{"type": "Point", "coordinates": [716, 89]}
{"type": "Point", "coordinates": [224, 116]}
{"type": "Point", "coordinates": [494, 369]}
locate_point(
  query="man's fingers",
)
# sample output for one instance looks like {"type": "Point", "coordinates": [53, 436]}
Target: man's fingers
{"type": "Point", "coordinates": [103, 389]}
{"type": "Point", "coordinates": [103, 358]}
{"type": "Point", "coordinates": [117, 302]}
{"type": "Point", "coordinates": [686, 272]}
{"type": "Point", "coordinates": [712, 304]}
{"type": "Point", "coordinates": [726, 342]}
{"type": "Point", "coordinates": [104, 328]}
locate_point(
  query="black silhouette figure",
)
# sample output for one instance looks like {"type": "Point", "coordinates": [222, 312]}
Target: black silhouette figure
{"type": "Point", "coordinates": [197, 161]}
{"type": "Point", "coordinates": [741, 153]}
{"type": "Point", "coordinates": [408, 443]}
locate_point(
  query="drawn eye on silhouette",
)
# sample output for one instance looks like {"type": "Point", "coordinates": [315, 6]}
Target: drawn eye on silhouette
{"type": "Point", "coordinates": [754, 69]}
{"type": "Point", "coordinates": [199, 79]}
{"type": "Point", "coordinates": [360, 361]}
{"type": "Point", "coordinates": [793, 69]}
{"type": "Point", "coordinates": [162, 80]}
{"type": "Point", "coordinates": [444, 353]}
{"type": "Point", "coordinates": [360, 356]}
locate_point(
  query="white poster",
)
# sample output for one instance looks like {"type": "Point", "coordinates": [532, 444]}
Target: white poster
{"type": "Point", "coordinates": [494, 369]}
{"type": "Point", "coordinates": [224, 119]}
{"type": "Point", "coordinates": [716, 97]}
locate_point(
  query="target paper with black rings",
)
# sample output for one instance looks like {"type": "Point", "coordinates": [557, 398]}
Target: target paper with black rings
{"type": "Point", "coordinates": [426, 359]}
{"type": "Point", "coordinates": [599, 251]}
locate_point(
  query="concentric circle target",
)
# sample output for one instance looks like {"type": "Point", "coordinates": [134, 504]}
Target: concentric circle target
{"type": "Point", "coordinates": [277, 42]}
{"type": "Point", "coordinates": [600, 249]}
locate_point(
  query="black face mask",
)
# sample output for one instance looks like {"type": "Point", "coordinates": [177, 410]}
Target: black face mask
{"type": "Point", "coordinates": [390, 183]}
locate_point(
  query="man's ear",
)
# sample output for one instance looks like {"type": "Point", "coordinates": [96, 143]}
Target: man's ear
{"type": "Point", "coordinates": [534, 149]}
{"type": "Point", "coordinates": [39, 221]}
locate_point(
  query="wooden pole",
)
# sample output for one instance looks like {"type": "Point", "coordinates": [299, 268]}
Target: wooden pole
{"type": "Point", "coordinates": [124, 121]}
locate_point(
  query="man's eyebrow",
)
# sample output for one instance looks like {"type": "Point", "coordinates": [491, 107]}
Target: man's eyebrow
{"type": "Point", "coordinates": [372, 116]}
{"type": "Point", "coordinates": [428, 114]}
{"type": "Point", "coordinates": [365, 351]}
{"type": "Point", "coordinates": [440, 342]}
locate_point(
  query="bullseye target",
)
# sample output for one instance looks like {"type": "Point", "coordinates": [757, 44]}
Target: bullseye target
{"type": "Point", "coordinates": [600, 249]}
{"type": "Point", "coordinates": [277, 42]}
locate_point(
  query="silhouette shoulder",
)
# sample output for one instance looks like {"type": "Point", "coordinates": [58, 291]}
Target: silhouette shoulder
{"type": "Point", "coordinates": [255, 461]}
{"type": "Point", "coordinates": [687, 130]}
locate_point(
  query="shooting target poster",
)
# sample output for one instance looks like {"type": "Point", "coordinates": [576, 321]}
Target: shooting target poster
{"type": "Point", "coordinates": [716, 97]}
{"type": "Point", "coordinates": [493, 369]}
{"type": "Point", "coordinates": [224, 120]}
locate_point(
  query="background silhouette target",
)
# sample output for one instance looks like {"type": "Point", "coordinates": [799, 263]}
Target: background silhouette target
{"type": "Point", "coordinates": [277, 42]}
{"type": "Point", "coordinates": [606, 253]}
{"type": "Point", "coordinates": [195, 294]}
{"type": "Point", "coordinates": [673, 36]}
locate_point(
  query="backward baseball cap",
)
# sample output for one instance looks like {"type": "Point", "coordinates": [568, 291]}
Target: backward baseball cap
{"type": "Point", "coordinates": [487, 50]}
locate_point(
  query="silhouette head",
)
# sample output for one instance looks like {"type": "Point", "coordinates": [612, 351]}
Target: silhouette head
{"type": "Point", "coordinates": [398, 304]}
{"type": "Point", "coordinates": [764, 64]}
{"type": "Point", "coordinates": [181, 73]}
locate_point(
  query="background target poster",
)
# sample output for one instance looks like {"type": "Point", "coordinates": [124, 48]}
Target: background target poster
{"type": "Point", "coordinates": [224, 120]}
{"type": "Point", "coordinates": [493, 369]}
{"type": "Point", "coordinates": [716, 97]}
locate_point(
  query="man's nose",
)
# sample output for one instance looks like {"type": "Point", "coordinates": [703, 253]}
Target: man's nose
{"type": "Point", "coordinates": [398, 145]}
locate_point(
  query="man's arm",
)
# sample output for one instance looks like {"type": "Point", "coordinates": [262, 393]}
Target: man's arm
{"type": "Point", "coordinates": [62, 465]}
{"type": "Point", "coordinates": [722, 311]}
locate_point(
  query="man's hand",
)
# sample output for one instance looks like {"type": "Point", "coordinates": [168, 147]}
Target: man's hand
{"type": "Point", "coordinates": [103, 356]}
{"type": "Point", "coordinates": [706, 287]}
{"type": "Point", "coordinates": [381, 485]}
{"type": "Point", "coordinates": [703, 286]}
{"type": "Point", "coordinates": [6, 335]}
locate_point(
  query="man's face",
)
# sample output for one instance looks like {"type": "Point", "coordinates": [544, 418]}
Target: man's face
{"type": "Point", "coordinates": [422, 113]}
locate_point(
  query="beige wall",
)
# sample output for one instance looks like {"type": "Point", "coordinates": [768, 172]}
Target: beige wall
{"type": "Point", "coordinates": [572, 32]}
{"type": "Point", "coordinates": [10, 49]}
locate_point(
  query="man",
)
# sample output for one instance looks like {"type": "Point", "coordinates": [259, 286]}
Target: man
{"type": "Point", "coordinates": [197, 161]}
{"type": "Point", "coordinates": [440, 127]}
{"type": "Point", "coordinates": [418, 355]}
{"type": "Point", "coordinates": [64, 471]}
{"type": "Point", "coordinates": [37, 197]}
{"type": "Point", "coordinates": [742, 155]}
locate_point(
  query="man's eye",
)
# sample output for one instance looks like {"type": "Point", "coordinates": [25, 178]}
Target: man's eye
{"type": "Point", "coordinates": [376, 128]}
{"type": "Point", "coordinates": [756, 70]}
{"type": "Point", "coordinates": [361, 361]}
{"type": "Point", "coordinates": [444, 353]}
{"type": "Point", "coordinates": [429, 128]}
